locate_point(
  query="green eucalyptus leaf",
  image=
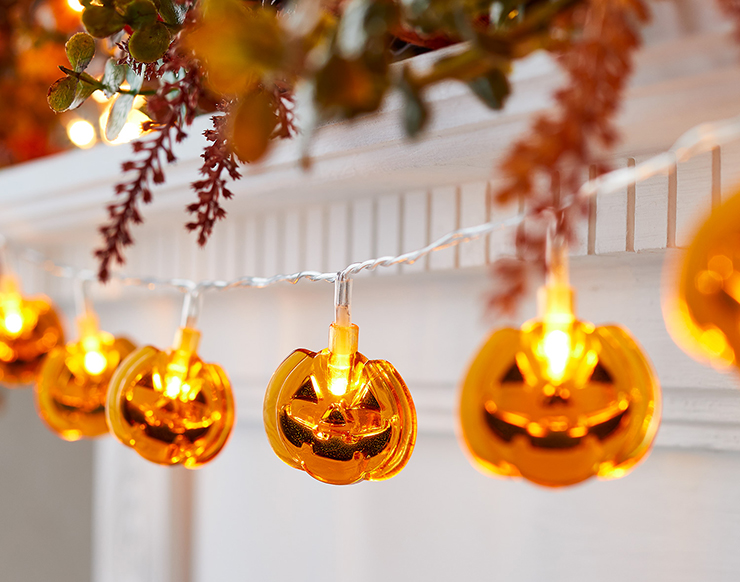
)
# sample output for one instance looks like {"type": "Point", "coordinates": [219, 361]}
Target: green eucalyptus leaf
{"type": "Point", "coordinates": [80, 51]}
{"type": "Point", "coordinates": [140, 13]}
{"type": "Point", "coordinates": [102, 21]}
{"type": "Point", "coordinates": [113, 76]}
{"type": "Point", "coordinates": [118, 115]}
{"type": "Point", "coordinates": [492, 89]}
{"type": "Point", "coordinates": [61, 94]}
{"type": "Point", "coordinates": [172, 12]}
{"type": "Point", "coordinates": [84, 90]}
{"type": "Point", "coordinates": [134, 80]}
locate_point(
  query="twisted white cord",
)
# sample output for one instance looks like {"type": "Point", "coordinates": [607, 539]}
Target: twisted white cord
{"type": "Point", "coordinates": [451, 239]}
{"type": "Point", "coordinates": [700, 139]}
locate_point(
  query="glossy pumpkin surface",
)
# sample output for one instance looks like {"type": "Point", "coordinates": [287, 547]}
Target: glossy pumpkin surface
{"type": "Point", "coordinates": [170, 406]}
{"type": "Point", "coordinates": [29, 330]}
{"type": "Point", "coordinates": [702, 300]}
{"type": "Point", "coordinates": [341, 422]}
{"type": "Point", "coordinates": [72, 387]}
{"type": "Point", "coordinates": [597, 416]}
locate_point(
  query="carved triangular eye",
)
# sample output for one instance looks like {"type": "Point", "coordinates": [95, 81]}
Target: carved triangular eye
{"type": "Point", "coordinates": [600, 374]}
{"type": "Point", "coordinates": [369, 402]}
{"type": "Point", "coordinates": [513, 375]}
{"type": "Point", "coordinates": [306, 392]}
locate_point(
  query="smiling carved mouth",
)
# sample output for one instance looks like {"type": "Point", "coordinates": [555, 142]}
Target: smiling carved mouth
{"type": "Point", "coordinates": [333, 448]}
{"type": "Point", "coordinates": [547, 438]}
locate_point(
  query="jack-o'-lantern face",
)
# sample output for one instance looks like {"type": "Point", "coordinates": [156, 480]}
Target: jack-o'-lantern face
{"type": "Point", "coordinates": [340, 428]}
{"type": "Point", "coordinates": [29, 330]}
{"type": "Point", "coordinates": [171, 407]}
{"type": "Point", "coordinates": [557, 408]}
{"type": "Point", "coordinates": [72, 387]}
{"type": "Point", "coordinates": [702, 305]}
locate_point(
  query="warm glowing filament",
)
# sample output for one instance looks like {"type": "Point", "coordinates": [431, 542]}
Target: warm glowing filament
{"type": "Point", "coordinates": [75, 5]}
{"type": "Point", "coordinates": [173, 387]}
{"type": "Point", "coordinates": [339, 374]}
{"type": "Point", "coordinates": [95, 362]}
{"type": "Point", "coordinates": [556, 348]}
{"type": "Point", "coordinates": [338, 386]}
{"type": "Point", "coordinates": [13, 322]}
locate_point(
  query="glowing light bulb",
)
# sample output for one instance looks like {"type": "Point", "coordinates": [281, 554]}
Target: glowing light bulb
{"type": "Point", "coordinates": [81, 133]}
{"type": "Point", "coordinates": [173, 387]}
{"type": "Point", "coordinates": [75, 5]}
{"type": "Point", "coordinates": [131, 130]}
{"type": "Point", "coordinates": [95, 363]}
{"type": "Point", "coordinates": [338, 386]}
{"type": "Point", "coordinates": [13, 322]}
{"type": "Point", "coordinates": [339, 374]}
{"type": "Point", "coordinates": [556, 348]}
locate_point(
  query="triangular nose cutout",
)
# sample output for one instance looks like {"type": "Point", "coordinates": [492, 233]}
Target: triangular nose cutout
{"type": "Point", "coordinates": [334, 416]}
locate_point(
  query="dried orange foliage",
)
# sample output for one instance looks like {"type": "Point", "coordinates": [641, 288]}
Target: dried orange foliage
{"type": "Point", "coordinates": [561, 147]}
{"type": "Point", "coordinates": [32, 36]}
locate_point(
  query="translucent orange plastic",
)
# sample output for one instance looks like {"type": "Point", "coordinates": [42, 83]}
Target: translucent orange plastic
{"type": "Point", "coordinates": [337, 415]}
{"type": "Point", "coordinates": [72, 386]}
{"type": "Point", "coordinates": [559, 400]}
{"type": "Point", "coordinates": [29, 330]}
{"type": "Point", "coordinates": [171, 407]}
{"type": "Point", "coordinates": [701, 302]}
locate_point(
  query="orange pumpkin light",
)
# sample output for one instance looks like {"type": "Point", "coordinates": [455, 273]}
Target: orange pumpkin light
{"type": "Point", "coordinates": [73, 383]}
{"type": "Point", "coordinates": [29, 330]}
{"type": "Point", "coordinates": [559, 400]}
{"type": "Point", "coordinates": [337, 415]}
{"type": "Point", "coordinates": [171, 407]}
{"type": "Point", "coordinates": [702, 304]}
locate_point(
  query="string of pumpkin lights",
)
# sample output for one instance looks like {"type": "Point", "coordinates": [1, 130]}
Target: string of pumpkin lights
{"type": "Point", "coordinates": [343, 418]}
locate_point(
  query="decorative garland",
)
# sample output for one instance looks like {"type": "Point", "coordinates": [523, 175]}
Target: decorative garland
{"type": "Point", "coordinates": [259, 64]}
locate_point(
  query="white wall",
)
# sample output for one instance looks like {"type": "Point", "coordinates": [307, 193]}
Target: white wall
{"type": "Point", "coordinates": [675, 518]}
{"type": "Point", "coordinates": [45, 498]}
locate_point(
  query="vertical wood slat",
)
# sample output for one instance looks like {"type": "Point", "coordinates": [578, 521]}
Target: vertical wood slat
{"type": "Point", "coordinates": [415, 227]}
{"type": "Point", "coordinates": [270, 237]}
{"type": "Point", "coordinates": [458, 212]}
{"type": "Point", "coordinates": [428, 258]}
{"type": "Point", "coordinates": [592, 216]}
{"type": "Point", "coordinates": [363, 232]}
{"type": "Point", "coordinates": [473, 212]}
{"type": "Point", "coordinates": [388, 230]}
{"type": "Point", "coordinates": [314, 240]}
{"type": "Point", "coordinates": [292, 238]}
{"type": "Point", "coordinates": [672, 207]}
{"type": "Point", "coordinates": [487, 240]}
{"type": "Point", "coordinates": [716, 177]}
{"type": "Point", "coordinates": [338, 237]}
{"type": "Point", "coordinates": [250, 248]}
{"type": "Point", "coordinates": [630, 236]}
{"type": "Point", "coordinates": [444, 219]}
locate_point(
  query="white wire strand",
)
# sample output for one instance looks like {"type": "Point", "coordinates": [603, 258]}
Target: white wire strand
{"type": "Point", "coordinates": [701, 138]}
{"type": "Point", "coordinates": [451, 239]}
